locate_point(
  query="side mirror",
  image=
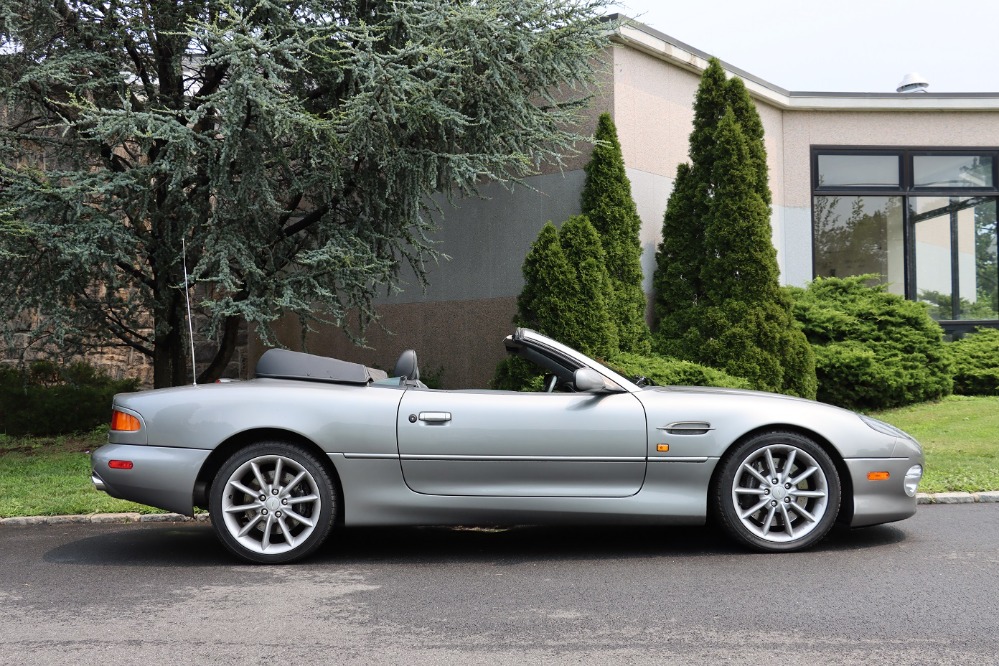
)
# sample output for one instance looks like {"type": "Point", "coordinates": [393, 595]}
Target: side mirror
{"type": "Point", "coordinates": [588, 379]}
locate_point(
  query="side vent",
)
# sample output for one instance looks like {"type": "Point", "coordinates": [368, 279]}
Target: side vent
{"type": "Point", "coordinates": [687, 428]}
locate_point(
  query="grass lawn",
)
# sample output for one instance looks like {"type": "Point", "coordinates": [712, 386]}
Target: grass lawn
{"type": "Point", "coordinates": [51, 476]}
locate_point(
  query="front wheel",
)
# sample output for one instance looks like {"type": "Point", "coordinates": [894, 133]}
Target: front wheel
{"type": "Point", "coordinates": [272, 502]}
{"type": "Point", "coordinates": [778, 491]}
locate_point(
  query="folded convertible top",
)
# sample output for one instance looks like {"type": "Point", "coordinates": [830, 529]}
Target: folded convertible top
{"type": "Point", "coordinates": [284, 364]}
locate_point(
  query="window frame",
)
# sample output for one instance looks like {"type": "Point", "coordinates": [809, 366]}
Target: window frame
{"type": "Point", "coordinates": [906, 190]}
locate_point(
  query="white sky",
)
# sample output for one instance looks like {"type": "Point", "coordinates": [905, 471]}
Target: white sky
{"type": "Point", "coordinates": [841, 46]}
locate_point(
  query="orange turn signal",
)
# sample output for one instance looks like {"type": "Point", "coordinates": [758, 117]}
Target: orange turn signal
{"type": "Point", "coordinates": [124, 422]}
{"type": "Point", "coordinates": [663, 448]}
{"type": "Point", "coordinates": [878, 476]}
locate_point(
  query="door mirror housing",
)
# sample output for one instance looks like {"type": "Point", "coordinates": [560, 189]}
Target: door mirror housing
{"type": "Point", "coordinates": [588, 379]}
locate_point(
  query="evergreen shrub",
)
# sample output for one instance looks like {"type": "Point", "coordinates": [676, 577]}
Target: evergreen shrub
{"type": "Point", "coordinates": [975, 361]}
{"type": "Point", "coordinates": [47, 399]}
{"type": "Point", "coordinates": [718, 300]}
{"type": "Point", "coordinates": [873, 349]}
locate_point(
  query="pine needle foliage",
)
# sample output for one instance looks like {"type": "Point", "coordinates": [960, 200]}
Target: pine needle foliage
{"type": "Point", "coordinates": [718, 300]}
{"type": "Point", "coordinates": [975, 360]}
{"type": "Point", "coordinates": [565, 296]}
{"type": "Point", "coordinates": [293, 146]}
{"type": "Point", "coordinates": [607, 202]}
{"type": "Point", "coordinates": [873, 349]}
{"type": "Point", "coordinates": [566, 286]}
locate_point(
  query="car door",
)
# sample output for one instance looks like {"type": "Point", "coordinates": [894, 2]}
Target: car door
{"type": "Point", "coordinates": [499, 443]}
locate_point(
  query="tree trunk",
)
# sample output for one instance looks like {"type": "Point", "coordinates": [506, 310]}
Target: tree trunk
{"type": "Point", "coordinates": [230, 336]}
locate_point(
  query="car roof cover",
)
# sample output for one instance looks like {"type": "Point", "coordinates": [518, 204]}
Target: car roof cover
{"type": "Point", "coordinates": [284, 364]}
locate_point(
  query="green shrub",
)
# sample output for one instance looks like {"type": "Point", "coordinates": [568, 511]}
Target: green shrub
{"type": "Point", "coordinates": [47, 399]}
{"type": "Point", "coordinates": [666, 371]}
{"type": "Point", "coordinates": [516, 374]}
{"type": "Point", "coordinates": [718, 300]}
{"type": "Point", "coordinates": [975, 360]}
{"type": "Point", "coordinates": [873, 349]}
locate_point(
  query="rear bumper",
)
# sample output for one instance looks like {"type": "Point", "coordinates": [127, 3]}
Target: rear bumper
{"type": "Point", "coordinates": [161, 476]}
{"type": "Point", "coordinates": [876, 502]}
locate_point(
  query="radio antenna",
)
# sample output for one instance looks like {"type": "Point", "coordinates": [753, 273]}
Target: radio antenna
{"type": "Point", "coordinates": [187, 298]}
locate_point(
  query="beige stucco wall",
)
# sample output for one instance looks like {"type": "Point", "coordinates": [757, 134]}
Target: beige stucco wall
{"type": "Point", "coordinates": [804, 129]}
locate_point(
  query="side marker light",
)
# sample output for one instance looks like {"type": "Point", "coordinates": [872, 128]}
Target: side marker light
{"type": "Point", "coordinates": [878, 476]}
{"type": "Point", "coordinates": [120, 464]}
{"type": "Point", "coordinates": [662, 448]}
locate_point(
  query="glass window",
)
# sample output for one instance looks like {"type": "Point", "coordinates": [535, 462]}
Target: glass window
{"type": "Point", "coordinates": [858, 171]}
{"type": "Point", "coordinates": [930, 233]}
{"type": "Point", "coordinates": [860, 235]}
{"type": "Point", "coordinates": [952, 171]}
{"type": "Point", "coordinates": [955, 256]}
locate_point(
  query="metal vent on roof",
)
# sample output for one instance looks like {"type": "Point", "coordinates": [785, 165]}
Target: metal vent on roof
{"type": "Point", "coordinates": [913, 82]}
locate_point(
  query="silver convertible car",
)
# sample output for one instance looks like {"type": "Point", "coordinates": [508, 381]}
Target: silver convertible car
{"type": "Point", "coordinates": [314, 443]}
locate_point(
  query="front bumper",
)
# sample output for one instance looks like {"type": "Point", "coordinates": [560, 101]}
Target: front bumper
{"type": "Point", "coordinates": [161, 476]}
{"type": "Point", "coordinates": [885, 501]}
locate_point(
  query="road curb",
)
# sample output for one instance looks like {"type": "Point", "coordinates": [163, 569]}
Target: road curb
{"type": "Point", "coordinates": [100, 518]}
{"type": "Point", "coordinates": [990, 497]}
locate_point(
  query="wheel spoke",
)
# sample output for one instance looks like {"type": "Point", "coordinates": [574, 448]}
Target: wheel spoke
{"type": "Point", "coordinates": [300, 518]}
{"type": "Point", "coordinates": [258, 475]}
{"type": "Point", "coordinates": [244, 489]}
{"type": "Point", "coordinates": [240, 508]}
{"type": "Point", "coordinates": [768, 523]}
{"type": "Point", "coordinates": [804, 475]}
{"type": "Point", "coordinates": [787, 520]}
{"type": "Point", "coordinates": [277, 472]}
{"type": "Point", "coordinates": [250, 525]}
{"type": "Point", "coordinates": [748, 512]}
{"type": "Point", "coordinates": [286, 532]}
{"type": "Point", "coordinates": [801, 511]}
{"type": "Point", "coordinates": [807, 493]}
{"type": "Point", "coordinates": [748, 491]}
{"type": "Point", "coordinates": [771, 465]}
{"type": "Point", "coordinates": [265, 540]}
{"type": "Point", "coordinates": [294, 482]}
{"type": "Point", "coordinates": [759, 477]}
{"type": "Point", "coordinates": [302, 499]}
{"type": "Point", "coordinates": [789, 465]}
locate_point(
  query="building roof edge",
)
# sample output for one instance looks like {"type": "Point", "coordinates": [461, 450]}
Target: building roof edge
{"type": "Point", "coordinates": [637, 35]}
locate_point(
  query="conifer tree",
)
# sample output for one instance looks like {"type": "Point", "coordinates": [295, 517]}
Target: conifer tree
{"type": "Point", "coordinates": [586, 320]}
{"type": "Point", "coordinates": [608, 204]}
{"type": "Point", "coordinates": [718, 297]}
{"type": "Point", "coordinates": [545, 296]}
{"type": "Point", "coordinates": [291, 147]}
{"type": "Point", "coordinates": [564, 296]}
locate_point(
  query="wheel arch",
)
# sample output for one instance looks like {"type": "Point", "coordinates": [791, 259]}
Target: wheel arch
{"type": "Point", "coordinates": [227, 448]}
{"type": "Point", "coordinates": [845, 515]}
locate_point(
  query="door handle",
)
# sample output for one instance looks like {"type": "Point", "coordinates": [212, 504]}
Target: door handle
{"type": "Point", "coordinates": [435, 417]}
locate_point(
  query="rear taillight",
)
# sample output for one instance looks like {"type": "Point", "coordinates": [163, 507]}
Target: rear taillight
{"type": "Point", "coordinates": [123, 422]}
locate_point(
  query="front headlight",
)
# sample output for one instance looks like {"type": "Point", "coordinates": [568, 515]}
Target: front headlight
{"type": "Point", "coordinates": [885, 428]}
{"type": "Point", "coordinates": [912, 478]}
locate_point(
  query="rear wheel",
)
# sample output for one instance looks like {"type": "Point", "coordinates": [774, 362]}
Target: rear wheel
{"type": "Point", "coordinates": [778, 491]}
{"type": "Point", "coordinates": [272, 502]}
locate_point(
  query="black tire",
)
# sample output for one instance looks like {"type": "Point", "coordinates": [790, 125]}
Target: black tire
{"type": "Point", "coordinates": [272, 503]}
{"type": "Point", "coordinates": [777, 492]}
